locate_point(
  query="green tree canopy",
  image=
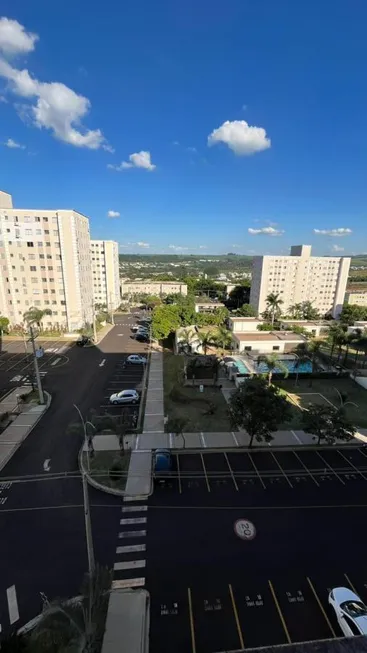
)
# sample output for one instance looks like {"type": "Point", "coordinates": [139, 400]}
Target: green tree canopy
{"type": "Point", "coordinates": [35, 315]}
{"type": "Point", "coordinates": [4, 324]}
{"type": "Point", "coordinates": [165, 320]}
{"type": "Point", "coordinates": [273, 363]}
{"type": "Point", "coordinates": [246, 310]}
{"type": "Point", "coordinates": [258, 409]}
{"type": "Point", "coordinates": [303, 311]}
{"type": "Point", "coordinates": [273, 304]}
{"type": "Point", "coordinates": [329, 424]}
{"type": "Point", "coordinates": [351, 313]}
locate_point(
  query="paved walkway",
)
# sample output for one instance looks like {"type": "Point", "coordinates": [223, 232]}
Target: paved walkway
{"type": "Point", "coordinates": [12, 437]}
{"type": "Point", "coordinates": [154, 407]}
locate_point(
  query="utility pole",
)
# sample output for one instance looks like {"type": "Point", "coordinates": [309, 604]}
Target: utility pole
{"type": "Point", "coordinates": [111, 310]}
{"type": "Point", "coordinates": [90, 553]}
{"type": "Point", "coordinates": [37, 372]}
{"type": "Point", "coordinates": [94, 323]}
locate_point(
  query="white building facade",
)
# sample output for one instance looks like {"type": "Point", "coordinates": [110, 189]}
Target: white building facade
{"type": "Point", "coordinates": [105, 271]}
{"type": "Point", "coordinates": [356, 298]}
{"type": "Point", "coordinates": [159, 288]}
{"type": "Point", "coordinates": [45, 263]}
{"type": "Point", "coordinates": [300, 277]}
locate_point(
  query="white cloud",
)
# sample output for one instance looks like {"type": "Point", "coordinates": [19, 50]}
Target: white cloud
{"type": "Point", "coordinates": [137, 160]}
{"type": "Point", "coordinates": [240, 137]}
{"type": "Point", "coordinates": [336, 248]}
{"type": "Point", "coordinates": [14, 39]}
{"type": "Point", "coordinates": [203, 247]}
{"type": "Point", "coordinates": [178, 248]}
{"type": "Point", "coordinates": [108, 148]}
{"type": "Point", "coordinates": [3, 99]}
{"type": "Point", "coordinates": [13, 145]}
{"type": "Point", "coordinates": [340, 232]}
{"type": "Point", "coordinates": [191, 149]}
{"type": "Point", "coordinates": [55, 106]}
{"type": "Point", "coordinates": [265, 231]}
{"type": "Point", "coordinates": [113, 214]}
{"type": "Point", "coordinates": [140, 243]}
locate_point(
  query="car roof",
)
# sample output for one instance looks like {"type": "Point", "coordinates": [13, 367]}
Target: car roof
{"type": "Point", "coordinates": [124, 392]}
{"type": "Point", "coordinates": [345, 594]}
{"type": "Point", "coordinates": [361, 623]}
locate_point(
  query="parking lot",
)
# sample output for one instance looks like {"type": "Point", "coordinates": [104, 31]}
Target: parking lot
{"type": "Point", "coordinates": [16, 359]}
{"type": "Point", "coordinates": [239, 472]}
{"type": "Point", "coordinates": [216, 588]}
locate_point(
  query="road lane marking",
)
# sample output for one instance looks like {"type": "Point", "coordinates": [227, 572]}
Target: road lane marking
{"type": "Point", "coordinates": [133, 520]}
{"type": "Point", "coordinates": [202, 440]}
{"type": "Point", "coordinates": [192, 629]}
{"type": "Point", "coordinates": [296, 436]}
{"type": "Point", "coordinates": [350, 463]}
{"type": "Point", "coordinates": [306, 468]}
{"type": "Point", "coordinates": [206, 475]}
{"type": "Point", "coordinates": [129, 582]}
{"type": "Point", "coordinates": [280, 612]}
{"type": "Point", "coordinates": [330, 467]}
{"type": "Point", "coordinates": [126, 534]}
{"type": "Point", "coordinates": [179, 474]}
{"type": "Point", "coordinates": [321, 607]}
{"type": "Point", "coordinates": [102, 363]}
{"type": "Point", "coordinates": [134, 508]}
{"type": "Point", "coordinates": [281, 469]}
{"type": "Point", "coordinates": [256, 470]}
{"type": "Point", "coordinates": [57, 360]}
{"type": "Point", "coordinates": [46, 465]}
{"type": "Point", "coordinates": [131, 549]}
{"type": "Point", "coordinates": [231, 472]}
{"type": "Point", "coordinates": [350, 584]}
{"type": "Point", "coordinates": [131, 564]}
{"type": "Point", "coordinates": [239, 630]}
{"type": "Point", "coordinates": [11, 596]}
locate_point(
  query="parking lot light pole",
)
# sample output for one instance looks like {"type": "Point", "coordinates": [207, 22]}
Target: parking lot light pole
{"type": "Point", "coordinates": [36, 369]}
{"type": "Point", "coordinates": [85, 434]}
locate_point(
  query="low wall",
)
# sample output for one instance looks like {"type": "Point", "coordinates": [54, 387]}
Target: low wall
{"type": "Point", "coordinates": [361, 380]}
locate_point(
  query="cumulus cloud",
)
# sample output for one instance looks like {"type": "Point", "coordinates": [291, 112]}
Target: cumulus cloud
{"type": "Point", "coordinates": [178, 248]}
{"type": "Point", "coordinates": [336, 248]}
{"type": "Point", "coordinates": [265, 231]}
{"type": "Point", "coordinates": [203, 247]}
{"type": "Point", "coordinates": [113, 214]}
{"type": "Point", "coordinates": [137, 160]}
{"type": "Point", "coordinates": [340, 232]}
{"type": "Point", "coordinates": [14, 39]}
{"type": "Point", "coordinates": [13, 145]}
{"type": "Point", "coordinates": [3, 99]}
{"type": "Point", "coordinates": [50, 105]}
{"type": "Point", "coordinates": [240, 137]}
{"type": "Point", "coordinates": [141, 243]}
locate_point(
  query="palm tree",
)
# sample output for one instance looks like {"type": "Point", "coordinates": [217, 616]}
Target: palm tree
{"type": "Point", "coordinates": [307, 351]}
{"type": "Point", "coordinates": [223, 337]}
{"type": "Point", "coordinates": [335, 337]}
{"type": "Point", "coordinates": [273, 303]}
{"type": "Point", "coordinates": [206, 340]}
{"type": "Point", "coordinates": [273, 362]}
{"type": "Point", "coordinates": [35, 315]}
{"type": "Point", "coordinates": [186, 338]}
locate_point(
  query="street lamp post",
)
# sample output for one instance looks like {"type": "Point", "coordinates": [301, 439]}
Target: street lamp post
{"type": "Point", "coordinates": [85, 434]}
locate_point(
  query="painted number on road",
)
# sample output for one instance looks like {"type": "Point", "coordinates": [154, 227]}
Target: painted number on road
{"type": "Point", "coordinates": [168, 609]}
{"type": "Point", "coordinates": [212, 606]}
{"type": "Point", "coordinates": [256, 602]}
{"type": "Point", "coordinates": [297, 597]}
{"type": "Point", "coordinates": [245, 529]}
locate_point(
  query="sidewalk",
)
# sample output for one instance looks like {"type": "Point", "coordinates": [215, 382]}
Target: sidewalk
{"type": "Point", "coordinates": [127, 623]}
{"type": "Point", "coordinates": [154, 407]}
{"type": "Point", "coordinates": [13, 436]}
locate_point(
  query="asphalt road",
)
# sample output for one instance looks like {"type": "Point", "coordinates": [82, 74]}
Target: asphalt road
{"type": "Point", "coordinates": [42, 543]}
{"type": "Point", "coordinates": [220, 583]}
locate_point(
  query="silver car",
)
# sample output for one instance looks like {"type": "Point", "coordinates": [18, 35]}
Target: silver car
{"type": "Point", "coordinates": [125, 397]}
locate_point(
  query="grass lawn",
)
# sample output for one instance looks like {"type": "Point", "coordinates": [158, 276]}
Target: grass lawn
{"type": "Point", "coordinates": [323, 392]}
{"type": "Point", "coordinates": [102, 462]}
{"type": "Point", "coordinates": [194, 403]}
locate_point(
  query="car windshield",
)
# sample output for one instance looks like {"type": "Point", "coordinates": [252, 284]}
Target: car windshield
{"type": "Point", "coordinates": [354, 608]}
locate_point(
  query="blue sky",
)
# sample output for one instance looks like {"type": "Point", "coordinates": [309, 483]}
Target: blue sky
{"type": "Point", "coordinates": [208, 126]}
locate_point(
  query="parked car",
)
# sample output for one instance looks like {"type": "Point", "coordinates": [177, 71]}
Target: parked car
{"type": "Point", "coordinates": [350, 611]}
{"type": "Point", "coordinates": [162, 466]}
{"type": "Point", "coordinates": [125, 397]}
{"type": "Point", "coordinates": [142, 337]}
{"type": "Point", "coordinates": [83, 340]}
{"type": "Point", "coordinates": [136, 359]}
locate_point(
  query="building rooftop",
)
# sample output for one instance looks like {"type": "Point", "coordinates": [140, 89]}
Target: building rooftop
{"type": "Point", "coordinates": [307, 322]}
{"type": "Point", "coordinates": [269, 337]}
{"type": "Point", "coordinates": [245, 319]}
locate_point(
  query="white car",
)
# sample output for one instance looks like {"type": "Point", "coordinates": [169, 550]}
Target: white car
{"type": "Point", "coordinates": [350, 611]}
{"type": "Point", "coordinates": [136, 359]}
{"type": "Point", "coordinates": [125, 397]}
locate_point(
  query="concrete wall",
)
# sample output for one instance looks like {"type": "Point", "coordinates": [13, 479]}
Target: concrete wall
{"type": "Point", "coordinates": [243, 325]}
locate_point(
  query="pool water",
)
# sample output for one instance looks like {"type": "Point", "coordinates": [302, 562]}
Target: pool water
{"type": "Point", "coordinates": [302, 368]}
{"type": "Point", "coordinates": [242, 368]}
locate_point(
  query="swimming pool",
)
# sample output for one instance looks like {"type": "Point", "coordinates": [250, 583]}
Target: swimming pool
{"type": "Point", "coordinates": [242, 368]}
{"type": "Point", "coordinates": [290, 363]}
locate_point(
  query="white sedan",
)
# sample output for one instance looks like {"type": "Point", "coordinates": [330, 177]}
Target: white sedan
{"type": "Point", "coordinates": [136, 359]}
{"type": "Point", "coordinates": [350, 611]}
{"type": "Point", "coordinates": [125, 397]}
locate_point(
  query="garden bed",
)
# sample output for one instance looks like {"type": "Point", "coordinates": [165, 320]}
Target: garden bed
{"type": "Point", "coordinates": [109, 468]}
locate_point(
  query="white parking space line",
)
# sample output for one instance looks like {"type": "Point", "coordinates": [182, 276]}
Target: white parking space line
{"type": "Point", "coordinates": [350, 463]}
{"type": "Point", "coordinates": [231, 472]}
{"type": "Point", "coordinates": [127, 534]}
{"type": "Point", "coordinates": [133, 548]}
{"type": "Point", "coordinates": [134, 508]}
{"type": "Point", "coordinates": [257, 471]}
{"type": "Point", "coordinates": [306, 468]}
{"type": "Point", "coordinates": [11, 596]}
{"type": "Point", "coordinates": [281, 469]}
{"type": "Point", "coordinates": [57, 360]}
{"type": "Point", "coordinates": [330, 467]}
{"type": "Point", "coordinates": [131, 564]}
{"type": "Point", "coordinates": [133, 520]}
{"type": "Point", "coordinates": [129, 582]}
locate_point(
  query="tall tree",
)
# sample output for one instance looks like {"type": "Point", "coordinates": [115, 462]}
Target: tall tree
{"type": "Point", "coordinates": [165, 320]}
{"type": "Point", "coordinates": [273, 362]}
{"type": "Point", "coordinates": [351, 313]}
{"type": "Point", "coordinates": [329, 424]}
{"type": "Point", "coordinates": [35, 315]}
{"type": "Point", "coordinates": [335, 337]}
{"type": "Point", "coordinates": [177, 426]}
{"type": "Point", "coordinates": [273, 303]}
{"type": "Point", "coordinates": [206, 339]}
{"type": "Point", "coordinates": [223, 337]}
{"type": "Point", "coordinates": [259, 409]}
{"type": "Point", "coordinates": [246, 310]}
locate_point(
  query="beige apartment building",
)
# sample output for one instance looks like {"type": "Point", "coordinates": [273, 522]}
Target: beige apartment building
{"type": "Point", "coordinates": [300, 277]}
{"type": "Point", "coordinates": [45, 262]}
{"type": "Point", "coordinates": [105, 271]}
{"type": "Point", "coordinates": [160, 288]}
{"type": "Point", "coordinates": [355, 297]}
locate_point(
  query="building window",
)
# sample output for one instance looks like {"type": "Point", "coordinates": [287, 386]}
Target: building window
{"type": "Point", "coordinates": [276, 348]}
{"type": "Point", "coordinates": [47, 243]}
{"type": "Point", "coordinates": [37, 302]}
{"type": "Point", "coordinates": [33, 268]}
{"type": "Point", "coordinates": [31, 257]}
{"type": "Point", "coordinates": [34, 279]}
{"type": "Point", "coordinates": [54, 302]}
{"type": "Point", "coordinates": [30, 244]}
{"type": "Point", "coordinates": [36, 291]}
{"type": "Point", "coordinates": [53, 292]}
{"type": "Point", "coordinates": [248, 348]}
{"type": "Point", "coordinates": [37, 219]}
{"type": "Point", "coordinates": [27, 218]}
{"type": "Point", "coordinates": [28, 232]}
{"type": "Point", "coordinates": [45, 291]}
{"type": "Point", "coordinates": [46, 302]}
{"type": "Point", "coordinates": [44, 279]}
{"type": "Point", "coordinates": [55, 232]}
{"type": "Point", "coordinates": [45, 219]}
{"type": "Point", "coordinates": [49, 256]}
{"type": "Point", "coordinates": [54, 218]}
{"type": "Point", "coordinates": [50, 267]}
{"type": "Point", "coordinates": [42, 256]}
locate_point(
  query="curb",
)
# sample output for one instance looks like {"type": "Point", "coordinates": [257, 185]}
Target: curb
{"type": "Point", "coordinates": [19, 444]}
{"type": "Point", "coordinates": [93, 482]}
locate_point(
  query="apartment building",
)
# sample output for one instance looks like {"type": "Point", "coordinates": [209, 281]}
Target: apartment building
{"type": "Point", "coordinates": [105, 271]}
{"type": "Point", "coordinates": [355, 297]}
{"type": "Point", "coordinates": [45, 262]}
{"type": "Point", "coordinates": [160, 288]}
{"type": "Point", "coordinates": [321, 280]}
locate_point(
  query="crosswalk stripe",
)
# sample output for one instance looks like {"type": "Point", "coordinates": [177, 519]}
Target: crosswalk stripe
{"type": "Point", "coordinates": [134, 508]}
{"type": "Point", "coordinates": [131, 549]}
{"type": "Point", "coordinates": [132, 534]}
{"type": "Point", "coordinates": [129, 582]}
{"type": "Point", "coordinates": [133, 520]}
{"type": "Point", "coordinates": [131, 564]}
{"type": "Point", "coordinates": [11, 596]}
